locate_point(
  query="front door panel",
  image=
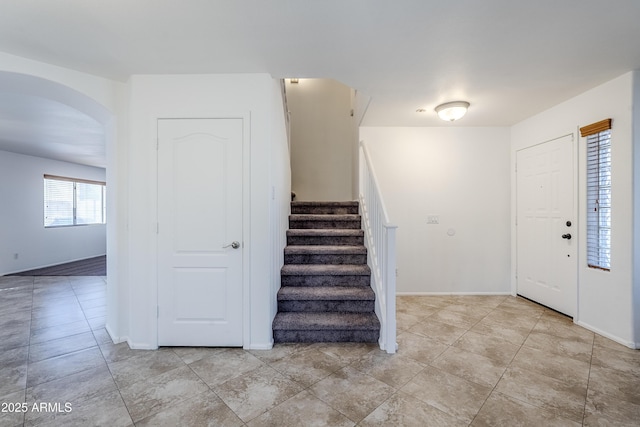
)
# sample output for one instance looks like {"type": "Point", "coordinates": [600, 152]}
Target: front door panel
{"type": "Point", "coordinates": [546, 229]}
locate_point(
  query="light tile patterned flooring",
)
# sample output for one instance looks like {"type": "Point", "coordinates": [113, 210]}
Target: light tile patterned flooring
{"type": "Point", "coordinates": [463, 360]}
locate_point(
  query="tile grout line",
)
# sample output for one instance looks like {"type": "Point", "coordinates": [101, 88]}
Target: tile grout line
{"type": "Point", "coordinates": [102, 354]}
{"type": "Point", "coordinates": [503, 372]}
{"type": "Point", "coordinates": [506, 369]}
{"type": "Point", "coordinates": [26, 377]}
{"type": "Point", "coordinates": [586, 397]}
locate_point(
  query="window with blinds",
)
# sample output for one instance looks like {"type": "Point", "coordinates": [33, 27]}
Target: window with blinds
{"type": "Point", "coordinates": [598, 194]}
{"type": "Point", "coordinates": [69, 201]}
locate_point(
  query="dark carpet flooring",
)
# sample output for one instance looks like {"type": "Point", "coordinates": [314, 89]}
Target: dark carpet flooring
{"type": "Point", "coordinates": [87, 267]}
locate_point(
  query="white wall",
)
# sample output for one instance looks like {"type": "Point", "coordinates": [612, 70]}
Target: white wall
{"type": "Point", "coordinates": [250, 96]}
{"type": "Point", "coordinates": [22, 229]}
{"type": "Point", "coordinates": [605, 299]}
{"type": "Point", "coordinates": [322, 140]}
{"type": "Point", "coordinates": [462, 176]}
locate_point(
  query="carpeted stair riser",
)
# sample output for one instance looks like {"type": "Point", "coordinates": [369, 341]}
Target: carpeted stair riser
{"type": "Point", "coordinates": [344, 306]}
{"type": "Point", "coordinates": [326, 280]}
{"type": "Point", "coordinates": [310, 254]}
{"type": "Point", "coordinates": [325, 237]}
{"type": "Point", "coordinates": [316, 222]}
{"type": "Point", "coordinates": [336, 208]}
{"type": "Point", "coordinates": [293, 336]}
{"type": "Point", "coordinates": [335, 259]}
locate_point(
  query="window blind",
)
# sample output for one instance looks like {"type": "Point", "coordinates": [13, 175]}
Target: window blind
{"type": "Point", "coordinates": [89, 203]}
{"type": "Point", "coordinates": [58, 203]}
{"type": "Point", "coordinates": [598, 194]}
{"type": "Point", "coordinates": [69, 201]}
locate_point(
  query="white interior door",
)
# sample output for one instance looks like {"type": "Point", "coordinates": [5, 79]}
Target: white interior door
{"type": "Point", "coordinates": [546, 226]}
{"type": "Point", "coordinates": [200, 232]}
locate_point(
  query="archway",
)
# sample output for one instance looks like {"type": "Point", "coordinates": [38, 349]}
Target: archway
{"type": "Point", "coordinates": [42, 91]}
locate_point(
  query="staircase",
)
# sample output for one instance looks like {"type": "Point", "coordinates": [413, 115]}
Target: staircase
{"type": "Point", "coordinates": [326, 293]}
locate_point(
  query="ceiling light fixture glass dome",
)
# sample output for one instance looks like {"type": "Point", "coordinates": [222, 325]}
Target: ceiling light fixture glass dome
{"type": "Point", "coordinates": [452, 111]}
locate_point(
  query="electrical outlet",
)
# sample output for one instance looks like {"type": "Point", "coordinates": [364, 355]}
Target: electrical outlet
{"type": "Point", "coordinates": [433, 219]}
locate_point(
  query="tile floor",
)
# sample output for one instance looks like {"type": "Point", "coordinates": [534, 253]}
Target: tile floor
{"type": "Point", "coordinates": [463, 360]}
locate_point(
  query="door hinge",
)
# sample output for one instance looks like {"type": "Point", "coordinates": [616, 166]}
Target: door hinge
{"type": "Point", "coordinates": [158, 311]}
{"type": "Point", "coordinates": [157, 228]}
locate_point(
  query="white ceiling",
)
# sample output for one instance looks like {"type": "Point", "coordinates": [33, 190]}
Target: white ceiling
{"type": "Point", "coordinates": [509, 58]}
{"type": "Point", "coordinates": [41, 127]}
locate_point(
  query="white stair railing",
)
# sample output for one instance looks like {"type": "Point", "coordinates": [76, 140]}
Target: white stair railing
{"type": "Point", "coordinates": [380, 238]}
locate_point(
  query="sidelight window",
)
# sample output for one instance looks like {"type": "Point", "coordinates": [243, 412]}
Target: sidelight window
{"type": "Point", "coordinates": [598, 194]}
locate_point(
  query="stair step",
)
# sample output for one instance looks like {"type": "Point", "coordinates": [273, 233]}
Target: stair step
{"type": "Point", "coordinates": [350, 207]}
{"type": "Point", "coordinates": [325, 275]}
{"type": "Point", "coordinates": [326, 237]}
{"type": "Point", "coordinates": [323, 254]}
{"type": "Point", "coordinates": [324, 321]}
{"type": "Point", "coordinates": [360, 299]}
{"type": "Point", "coordinates": [326, 293]}
{"type": "Point", "coordinates": [297, 221]}
{"type": "Point", "coordinates": [326, 327]}
{"type": "Point", "coordinates": [326, 270]}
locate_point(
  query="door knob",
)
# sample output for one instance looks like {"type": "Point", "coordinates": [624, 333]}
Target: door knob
{"type": "Point", "coordinates": [234, 245]}
{"type": "Point", "coordinates": [566, 236]}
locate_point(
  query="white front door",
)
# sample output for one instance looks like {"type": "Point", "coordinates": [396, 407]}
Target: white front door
{"type": "Point", "coordinates": [200, 232]}
{"type": "Point", "coordinates": [546, 225]}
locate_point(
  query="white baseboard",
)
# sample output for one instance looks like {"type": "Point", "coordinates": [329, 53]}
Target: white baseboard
{"type": "Point", "coordinates": [115, 339]}
{"type": "Point", "coordinates": [264, 346]}
{"type": "Point", "coordinates": [630, 344]}
{"type": "Point", "coordinates": [140, 346]}
{"type": "Point", "coordinates": [38, 267]}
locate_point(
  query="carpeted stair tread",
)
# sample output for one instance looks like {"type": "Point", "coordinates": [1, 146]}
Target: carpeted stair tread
{"type": "Point", "coordinates": [329, 232]}
{"type": "Point", "coordinates": [320, 221]}
{"type": "Point", "coordinates": [324, 249]}
{"type": "Point", "coordinates": [303, 203]}
{"type": "Point", "coordinates": [299, 207]}
{"type": "Point", "coordinates": [324, 217]}
{"type": "Point", "coordinates": [325, 293]}
{"type": "Point", "coordinates": [327, 236]}
{"type": "Point", "coordinates": [325, 270]}
{"type": "Point", "coordinates": [293, 321]}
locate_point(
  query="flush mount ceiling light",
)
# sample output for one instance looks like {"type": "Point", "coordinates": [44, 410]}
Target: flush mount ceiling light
{"type": "Point", "coordinates": [452, 111]}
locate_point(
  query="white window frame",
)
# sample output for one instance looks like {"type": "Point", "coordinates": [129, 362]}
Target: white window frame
{"type": "Point", "coordinates": [49, 222]}
{"type": "Point", "coordinates": [598, 183]}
